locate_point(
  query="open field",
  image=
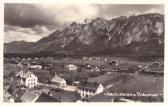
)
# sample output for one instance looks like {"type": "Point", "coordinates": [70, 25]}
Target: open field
{"type": "Point", "coordinates": [141, 84]}
{"type": "Point", "coordinates": [145, 84]}
{"type": "Point", "coordinates": [107, 79]}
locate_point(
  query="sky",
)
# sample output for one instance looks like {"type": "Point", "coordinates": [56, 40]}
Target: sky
{"type": "Point", "coordinates": [31, 22]}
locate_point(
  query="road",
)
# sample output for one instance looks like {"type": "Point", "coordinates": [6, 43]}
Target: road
{"type": "Point", "coordinates": [67, 87]}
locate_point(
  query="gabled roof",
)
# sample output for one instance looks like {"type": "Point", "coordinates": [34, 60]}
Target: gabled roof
{"type": "Point", "coordinates": [28, 96]}
{"type": "Point", "coordinates": [57, 79]}
{"type": "Point", "coordinates": [45, 98]}
{"type": "Point", "coordinates": [66, 96]}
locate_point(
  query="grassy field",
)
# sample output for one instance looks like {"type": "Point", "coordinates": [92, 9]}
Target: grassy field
{"type": "Point", "coordinates": [107, 79]}
{"type": "Point", "coordinates": [146, 84]}
{"type": "Point", "coordinates": [142, 84]}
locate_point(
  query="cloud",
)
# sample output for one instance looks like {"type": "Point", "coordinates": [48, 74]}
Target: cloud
{"type": "Point", "coordinates": [23, 21]}
{"type": "Point", "coordinates": [61, 15]}
{"type": "Point", "coordinates": [30, 15]}
{"type": "Point", "coordinates": [154, 10]}
{"type": "Point", "coordinates": [25, 15]}
{"type": "Point", "coordinates": [65, 14]}
{"type": "Point", "coordinates": [131, 12]}
{"type": "Point", "coordinates": [18, 36]}
{"type": "Point", "coordinates": [16, 33]}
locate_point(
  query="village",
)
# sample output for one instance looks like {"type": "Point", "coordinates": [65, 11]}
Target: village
{"type": "Point", "coordinates": [82, 79]}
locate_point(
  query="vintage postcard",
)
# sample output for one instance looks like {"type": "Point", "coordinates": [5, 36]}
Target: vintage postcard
{"type": "Point", "coordinates": [83, 52]}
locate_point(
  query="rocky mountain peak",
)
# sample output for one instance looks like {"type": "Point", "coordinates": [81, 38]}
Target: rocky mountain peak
{"type": "Point", "coordinates": [140, 35]}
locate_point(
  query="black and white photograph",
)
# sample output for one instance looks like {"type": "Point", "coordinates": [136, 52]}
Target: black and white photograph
{"type": "Point", "coordinates": [83, 53]}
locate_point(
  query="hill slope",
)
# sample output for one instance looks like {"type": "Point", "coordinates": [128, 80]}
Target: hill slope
{"type": "Point", "coordinates": [135, 35]}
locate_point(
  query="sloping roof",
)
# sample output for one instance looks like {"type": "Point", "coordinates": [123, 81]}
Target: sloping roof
{"type": "Point", "coordinates": [91, 85]}
{"type": "Point", "coordinates": [28, 96]}
{"type": "Point", "coordinates": [57, 79]}
{"type": "Point", "coordinates": [45, 98]}
{"type": "Point", "coordinates": [66, 96]}
{"type": "Point", "coordinates": [24, 74]}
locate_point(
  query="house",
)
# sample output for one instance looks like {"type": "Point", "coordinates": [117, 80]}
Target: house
{"type": "Point", "coordinates": [66, 96]}
{"type": "Point", "coordinates": [20, 65]}
{"type": "Point", "coordinates": [71, 67]}
{"type": "Point", "coordinates": [113, 63]}
{"type": "Point", "coordinates": [56, 80]}
{"type": "Point", "coordinates": [89, 89]}
{"type": "Point", "coordinates": [27, 78]}
{"type": "Point", "coordinates": [35, 66]}
{"type": "Point", "coordinates": [29, 96]}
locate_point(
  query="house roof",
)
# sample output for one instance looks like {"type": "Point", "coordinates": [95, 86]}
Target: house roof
{"type": "Point", "coordinates": [66, 96]}
{"type": "Point", "coordinates": [90, 85]}
{"type": "Point", "coordinates": [24, 74]}
{"type": "Point", "coordinates": [28, 96]}
{"type": "Point", "coordinates": [45, 98]}
{"type": "Point", "coordinates": [57, 79]}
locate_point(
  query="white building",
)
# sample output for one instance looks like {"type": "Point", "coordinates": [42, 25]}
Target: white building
{"type": "Point", "coordinates": [71, 67]}
{"type": "Point", "coordinates": [89, 89]}
{"type": "Point", "coordinates": [35, 67]}
{"type": "Point", "coordinates": [27, 78]}
{"type": "Point", "coordinates": [60, 82]}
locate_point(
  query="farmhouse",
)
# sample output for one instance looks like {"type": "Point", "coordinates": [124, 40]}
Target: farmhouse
{"type": "Point", "coordinates": [71, 67]}
{"type": "Point", "coordinates": [56, 80]}
{"type": "Point", "coordinates": [35, 66]}
{"type": "Point", "coordinates": [27, 78]}
{"type": "Point", "coordinates": [113, 63]}
{"type": "Point", "coordinates": [89, 89]}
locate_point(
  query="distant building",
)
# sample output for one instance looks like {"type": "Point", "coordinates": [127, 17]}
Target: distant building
{"type": "Point", "coordinates": [71, 67]}
{"type": "Point", "coordinates": [35, 66]}
{"type": "Point", "coordinates": [56, 80]}
{"type": "Point", "coordinates": [20, 65]}
{"type": "Point", "coordinates": [113, 63]}
{"type": "Point", "coordinates": [27, 78]}
{"type": "Point", "coordinates": [89, 89]}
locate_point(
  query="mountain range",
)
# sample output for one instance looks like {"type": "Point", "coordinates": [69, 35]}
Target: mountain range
{"type": "Point", "coordinates": [141, 35]}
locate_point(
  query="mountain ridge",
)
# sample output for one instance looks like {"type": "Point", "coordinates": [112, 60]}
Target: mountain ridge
{"type": "Point", "coordinates": [136, 35]}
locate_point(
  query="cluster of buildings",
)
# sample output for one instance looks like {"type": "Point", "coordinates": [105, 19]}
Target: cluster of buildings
{"type": "Point", "coordinates": [28, 81]}
{"type": "Point", "coordinates": [85, 91]}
